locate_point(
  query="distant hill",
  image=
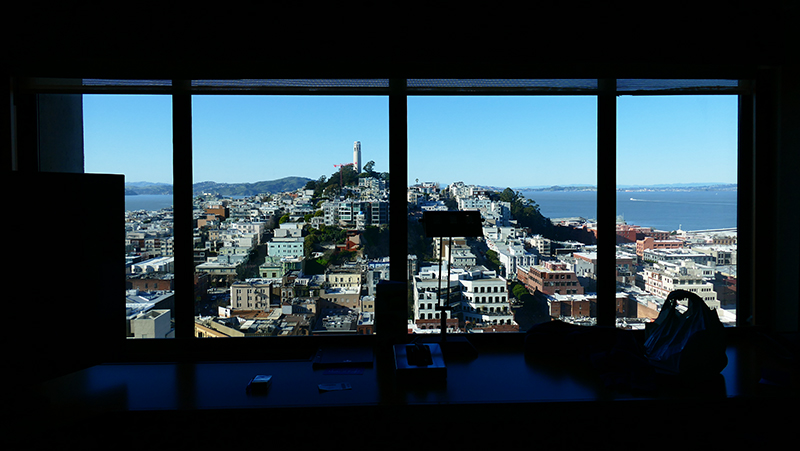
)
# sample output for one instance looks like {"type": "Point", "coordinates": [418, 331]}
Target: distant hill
{"type": "Point", "coordinates": [558, 188]}
{"type": "Point", "coordinates": [660, 187]}
{"type": "Point", "coordinates": [251, 189]}
{"type": "Point", "coordinates": [224, 189]}
{"type": "Point", "coordinates": [134, 188]}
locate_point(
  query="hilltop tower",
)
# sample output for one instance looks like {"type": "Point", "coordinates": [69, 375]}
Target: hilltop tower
{"type": "Point", "coordinates": [357, 157]}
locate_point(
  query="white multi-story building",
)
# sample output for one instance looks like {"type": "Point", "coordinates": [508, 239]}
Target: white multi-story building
{"type": "Point", "coordinates": [485, 300]}
{"type": "Point", "coordinates": [459, 189]}
{"type": "Point", "coordinates": [160, 264]}
{"type": "Point", "coordinates": [252, 228]}
{"type": "Point", "coordinates": [501, 233]}
{"type": "Point", "coordinates": [498, 213]}
{"type": "Point", "coordinates": [541, 244]}
{"type": "Point", "coordinates": [513, 255]}
{"type": "Point", "coordinates": [251, 295]}
{"type": "Point", "coordinates": [292, 247]}
{"type": "Point", "coordinates": [289, 229]}
{"type": "Point", "coordinates": [476, 295]}
{"type": "Point", "coordinates": [353, 212]}
{"type": "Point", "coordinates": [474, 203]}
{"type": "Point", "coordinates": [232, 238]}
{"type": "Point", "coordinates": [724, 255]}
{"type": "Point", "coordinates": [371, 184]}
{"type": "Point", "coordinates": [677, 255]}
{"type": "Point", "coordinates": [426, 288]}
{"type": "Point", "coordinates": [664, 278]}
{"type": "Point", "coordinates": [234, 250]}
{"type": "Point", "coordinates": [152, 324]}
{"type": "Point", "coordinates": [461, 256]}
{"type": "Point", "coordinates": [377, 270]}
{"type": "Point", "coordinates": [344, 280]}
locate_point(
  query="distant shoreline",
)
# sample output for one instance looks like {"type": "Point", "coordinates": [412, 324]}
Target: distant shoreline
{"type": "Point", "coordinates": [654, 188]}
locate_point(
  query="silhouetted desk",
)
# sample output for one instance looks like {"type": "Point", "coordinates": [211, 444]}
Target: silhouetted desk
{"type": "Point", "coordinates": [499, 387]}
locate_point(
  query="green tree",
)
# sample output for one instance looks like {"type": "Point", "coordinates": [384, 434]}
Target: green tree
{"type": "Point", "coordinates": [376, 241]}
{"type": "Point", "coordinates": [343, 256]}
{"type": "Point", "coordinates": [527, 213]}
{"type": "Point", "coordinates": [368, 168]}
{"type": "Point", "coordinates": [493, 260]}
{"type": "Point", "coordinates": [309, 244]}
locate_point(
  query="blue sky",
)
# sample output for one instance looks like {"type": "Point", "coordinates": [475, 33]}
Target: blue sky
{"type": "Point", "coordinates": [497, 141]}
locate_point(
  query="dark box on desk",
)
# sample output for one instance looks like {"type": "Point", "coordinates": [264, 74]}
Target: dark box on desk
{"type": "Point", "coordinates": [434, 371]}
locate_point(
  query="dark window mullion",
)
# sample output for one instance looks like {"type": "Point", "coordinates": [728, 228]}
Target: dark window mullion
{"type": "Point", "coordinates": [182, 205]}
{"type": "Point", "coordinates": [745, 214]}
{"type": "Point", "coordinates": [606, 201]}
{"type": "Point", "coordinates": [398, 169]}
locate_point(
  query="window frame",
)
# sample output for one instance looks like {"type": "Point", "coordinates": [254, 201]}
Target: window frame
{"type": "Point", "coordinates": [398, 92]}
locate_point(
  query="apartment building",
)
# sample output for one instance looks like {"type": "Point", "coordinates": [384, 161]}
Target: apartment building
{"type": "Point", "coordinates": [426, 286]}
{"type": "Point", "coordinates": [650, 243]}
{"type": "Point", "coordinates": [513, 255]}
{"type": "Point", "coordinates": [289, 230]}
{"type": "Point", "coordinates": [664, 277]}
{"type": "Point", "coordinates": [540, 243]}
{"type": "Point", "coordinates": [344, 280]}
{"type": "Point", "coordinates": [154, 265]}
{"type": "Point", "coordinates": [677, 255]}
{"type": "Point", "coordinates": [254, 295]}
{"type": "Point", "coordinates": [724, 255]}
{"type": "Point", "coordinates": [484, 300]}
{"type": "Point", "coordinates": [288, 247]}
{"type": "Point", "coordinates": [549, 277]}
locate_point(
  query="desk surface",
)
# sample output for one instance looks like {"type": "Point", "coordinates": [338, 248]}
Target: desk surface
{"type": "Point", "coordinates": [497, 395]}
{"type": "Point", "coordinates": [497, 376]}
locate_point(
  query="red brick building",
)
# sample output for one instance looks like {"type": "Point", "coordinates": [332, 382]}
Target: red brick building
{"type": "Point", "coordinates": [220, 211]}
{"type": "Point", "coordinates": [632, 233]}
{"type": "Point", "coordinates": [549, 278]}
{"type": "Point", "coordinates": [151, 282]}
{"type": "Point", "coordinates": [586, 306]}
{"type": "Point", "coordinates": [653, 243]}
{"type": "Point", "coordinates": [577, 308]}
{"type": "Point", "coordinates": [435, 324]}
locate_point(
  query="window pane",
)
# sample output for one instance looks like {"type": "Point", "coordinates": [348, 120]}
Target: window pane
{"type": "Point", "coordinates": [676, 203]}
{"type": "Point", "coordinates": [132, 135]}
{"type": "Point", "coordinates": [529, 165]}
{"type": "Point", "coordinates": [292, 211]}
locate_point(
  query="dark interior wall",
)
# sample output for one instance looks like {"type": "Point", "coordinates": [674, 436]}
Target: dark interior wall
{"type": "Point", "coordinates": [787, 211]}
{"type": "Point", "coordinates": [60, 133]}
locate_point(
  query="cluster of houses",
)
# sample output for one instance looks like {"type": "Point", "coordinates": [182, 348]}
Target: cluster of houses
{"type": "Point", "coordinates": [457, 286]}
{"type": "Point", "coordinates": [562, 275]}
{"type": "Point", "coordinates": [282, 300]}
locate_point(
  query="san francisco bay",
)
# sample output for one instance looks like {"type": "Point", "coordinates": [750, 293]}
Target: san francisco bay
{"type": "Point", "coordinates": [148, 202]}
{"type": "Point", "coordinates": [662, 210]}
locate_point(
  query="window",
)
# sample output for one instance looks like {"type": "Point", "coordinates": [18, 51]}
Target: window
{"type": "Point", "coordinates": [686, 209]}
{"type": "Point", "coordinates": [132, 135]}
{"type": "Point", "coordinates": [426, 102]}
{"type": "Point", "coordinates": [310, 173]}
{"type": "Point", "coordinates": [521, 178]}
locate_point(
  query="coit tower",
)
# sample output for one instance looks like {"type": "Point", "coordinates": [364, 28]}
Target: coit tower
{"type": "Point", "coordinates": [357, 156]}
